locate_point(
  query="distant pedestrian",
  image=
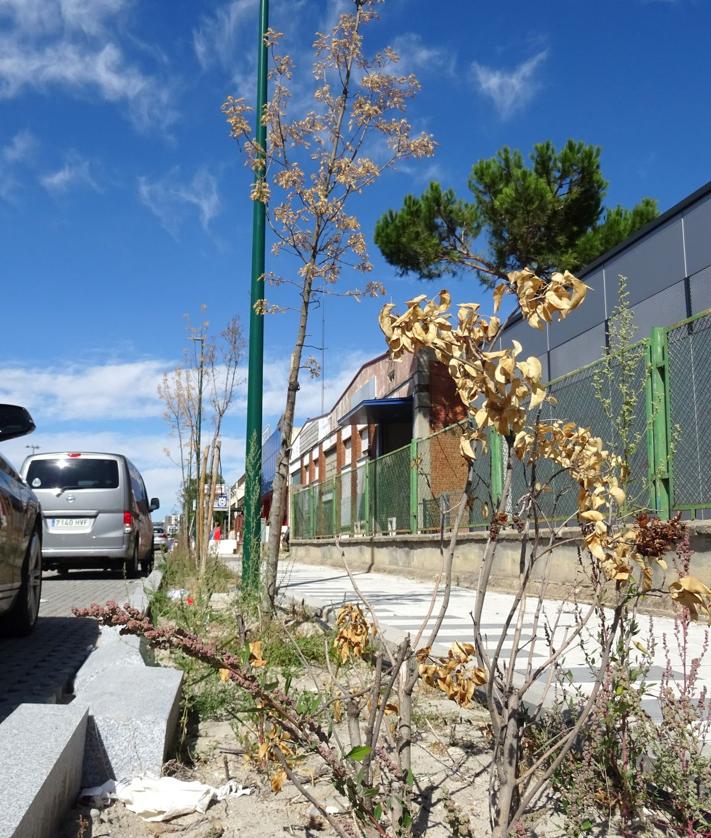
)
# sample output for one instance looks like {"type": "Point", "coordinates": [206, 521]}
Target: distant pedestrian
{"type": "Point", "coordinates": [217, 534]}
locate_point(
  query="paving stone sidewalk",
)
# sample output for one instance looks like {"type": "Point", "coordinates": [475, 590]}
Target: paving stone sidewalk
{"type": "Point", "coordinates": [40, 668]}
{"type": "Point", "coordinates": [401, 604]}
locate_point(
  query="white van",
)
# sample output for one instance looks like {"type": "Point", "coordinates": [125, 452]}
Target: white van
{"type": "Point", "coordinates": [95, 511]}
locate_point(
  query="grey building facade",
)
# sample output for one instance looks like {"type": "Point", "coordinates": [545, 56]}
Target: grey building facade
{"type": "Point", "coordinates": [668, 267]}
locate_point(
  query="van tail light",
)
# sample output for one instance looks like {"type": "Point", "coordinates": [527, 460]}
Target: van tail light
{"type": "Point", "coordinates": [127, 521]}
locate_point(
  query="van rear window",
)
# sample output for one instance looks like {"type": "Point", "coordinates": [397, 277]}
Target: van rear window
{"type": "Point", "coordinates": [73, 474]}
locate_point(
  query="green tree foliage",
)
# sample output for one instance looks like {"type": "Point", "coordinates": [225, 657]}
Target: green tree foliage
{"type": "Point", "coordinates": [425, 237]}
{"type": "Point", "coordinates": [547, 215]}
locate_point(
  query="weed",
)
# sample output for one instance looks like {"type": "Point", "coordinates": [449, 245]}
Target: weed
{"type": "Point", "coordinates": [628, 768]}
{"type": "Point", "coordinates": [457, 820]}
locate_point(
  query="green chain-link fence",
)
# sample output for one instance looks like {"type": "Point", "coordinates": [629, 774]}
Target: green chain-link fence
{"type": "Point", "coordinates": [390, 492]}
{"type": "Point", "coordinates": [409, 490]}
{"type": "Point", "coordinates": [441, 479]}
{"type": "Point", "coordinates": [688, 364]}
{"type": "Point", "coordinates": [591, 398]}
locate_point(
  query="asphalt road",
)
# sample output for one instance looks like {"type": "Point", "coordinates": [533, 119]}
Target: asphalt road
{"type": "Point", "coordinates": [40, 668]}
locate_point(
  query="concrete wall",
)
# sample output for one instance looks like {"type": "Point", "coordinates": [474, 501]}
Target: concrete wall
{"type": "Point", "coordinates": [419, 556]}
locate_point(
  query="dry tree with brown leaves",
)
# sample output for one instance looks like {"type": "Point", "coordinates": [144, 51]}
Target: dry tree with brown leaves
{"type": "Point", "coordinates": [196, 395]}
{"type": "Point", "coordinates": [313, 167]}
{"type": "Point", "coordinates": [504, 393]}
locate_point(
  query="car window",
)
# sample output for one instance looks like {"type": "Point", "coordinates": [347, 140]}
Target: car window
{"type": "Point", "coordinates": [73, 473]}
{"type": "Point", "coordinates": [8, 469]}
{"type": "Point", "coordinates": [138, 487]}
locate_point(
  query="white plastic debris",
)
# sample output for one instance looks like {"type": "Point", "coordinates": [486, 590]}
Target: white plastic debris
{"type": "Point", "coordinates": [99, 796]}
{"type": "Point", "coordinates": [161, 798]}
{"type": "Point", "coordinates": [177, 593]}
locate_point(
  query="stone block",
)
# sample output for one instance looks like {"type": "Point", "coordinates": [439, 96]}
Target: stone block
{"type": "Point", "coordinates": [142, 591]}
{"type": "Point", "coordinates": [41, 748]}
{"type": "Point", "coordinates": [133, 718]}
{"type": "Point", "coordinates": [106, 657]}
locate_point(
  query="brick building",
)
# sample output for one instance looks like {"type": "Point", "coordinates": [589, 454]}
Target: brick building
{"type": "Point", "coordinates": [386, 405]}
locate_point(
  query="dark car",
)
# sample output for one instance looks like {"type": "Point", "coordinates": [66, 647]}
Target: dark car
{"type": "Point", "coordinates": [20, 535]}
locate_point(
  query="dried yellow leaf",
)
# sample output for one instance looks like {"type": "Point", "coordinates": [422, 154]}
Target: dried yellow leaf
{"type": "Point", "coordinates": [278, 779]}
{"type": "Point", "coordinates": [618, 494]}
{"type": "Point", "coordinates": [255, 654]}
{"type": "Point", "coordinates": [499, 292]}
{"type": "Point", "coordinates": [465, 446]}
{"type": "Point", "coordinates": [691, 593]}
{"type": "Point", "coordinates": [592, 515]}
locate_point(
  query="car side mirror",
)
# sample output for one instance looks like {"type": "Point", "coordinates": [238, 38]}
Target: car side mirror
{"type": "Point", "coordinates": [14, 421]}
{"type": "Point", "coordinates": [155, 504]}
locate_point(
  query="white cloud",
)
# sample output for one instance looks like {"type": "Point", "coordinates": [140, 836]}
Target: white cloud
{"type": "Point", "coordinates": [20, 147]}
{"type": "Point", "coordinates": [168, 198]}
{"type": "Point", "coordinates": [509, 90]}
{"type": "Point", "coordinates": [226, 40]}
{"type": "Point", "coordinates": [90, 16]}
{"type": "Point", "coordinates": [100, 391]}
{"type": "Point", "coordinates": [39, 17]}
{"type": "Point", "coordinates": [72, 405]}
{"type": "Point", "coordinates": [75, 172]}
{"type": "Point", "coordinates": [108, 407]}
{"type": "Point", "coordinates": [422, 171]}
{"type": "Point", "coordinates": [217, 39]}
{"type": "Point", "coordinates": [72, 44]}
{"type": "Point", "coordinates": [17, 151]}
{"type": "Point", "coordinates": [340, 369]}
{"type": "Point", "coordinates": [415, 55]}
{"type": "Point", "coordinates": [147, 451]}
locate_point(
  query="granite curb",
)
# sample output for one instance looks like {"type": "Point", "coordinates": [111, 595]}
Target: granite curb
{"type": "Point", "coordinates": [133, 706]}
{"type": "Point", "coordinates": [40, 759]}
{"type": "Point", "coordinates": [120, 723]}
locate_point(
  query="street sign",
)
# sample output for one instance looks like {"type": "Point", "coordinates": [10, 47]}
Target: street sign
{"type": "Point", "coordinates": [221, 502]}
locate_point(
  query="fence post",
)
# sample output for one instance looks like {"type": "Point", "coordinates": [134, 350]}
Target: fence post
{"type": "Point", "coordinates": [312, 511]}
{"type": "Point", "coordinates": [497, 467]}
{"type": "Point", "coordinates": [414, 482]}
{"type": "Point", "coordinates": [366, 499]}
{"type": "Point", "coordinates": [657, 422]}
{"type": "Point", "coordinates": [336, 514]}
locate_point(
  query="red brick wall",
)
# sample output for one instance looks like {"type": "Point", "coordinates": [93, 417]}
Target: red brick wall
{"type": "Point", "coordinates": [446, 406]}
{"type": "Point", "coordinates": [355, 456]}
{"type": "Point", "coordinates": [321, 464]}
{"type": "Point", "coordinates": [340, 453]}
{"type": "Point", "coordinates": [356, 450]}
{"type": "Point", "coordinates": [372, 434]}
{"type": "Point", "coordinates": [448, 469]}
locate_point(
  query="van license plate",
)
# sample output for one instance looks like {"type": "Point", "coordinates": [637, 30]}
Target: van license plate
{"type": "Point", "coordinates": [69, 523]}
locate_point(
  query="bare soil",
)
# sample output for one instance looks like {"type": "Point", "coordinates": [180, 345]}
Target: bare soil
{"type": "Point", "coordinates": [451, 754]}
{"type": "Point", "coordinates": [450, 762]}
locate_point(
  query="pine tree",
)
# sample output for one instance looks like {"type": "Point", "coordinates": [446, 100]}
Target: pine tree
{"type": "Point", "coordinates": [548, 215]}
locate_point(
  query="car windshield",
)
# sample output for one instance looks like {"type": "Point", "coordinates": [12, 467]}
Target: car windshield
{"type": "Point", "coordinates": [65, 473]}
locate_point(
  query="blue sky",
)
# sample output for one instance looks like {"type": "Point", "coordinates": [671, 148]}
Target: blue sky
{"type": "Point", "coordinates": [124, 204]}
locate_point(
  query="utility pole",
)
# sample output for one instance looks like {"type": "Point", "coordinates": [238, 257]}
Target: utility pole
{"type": "Point", "coordinates": [198, 435]}
{"type": "Point", "coordinates": [33, 448]}
{"type": "Point", "coordinates": [251, 545]}
{"type": "Point", "coordinates": [323, 353]}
